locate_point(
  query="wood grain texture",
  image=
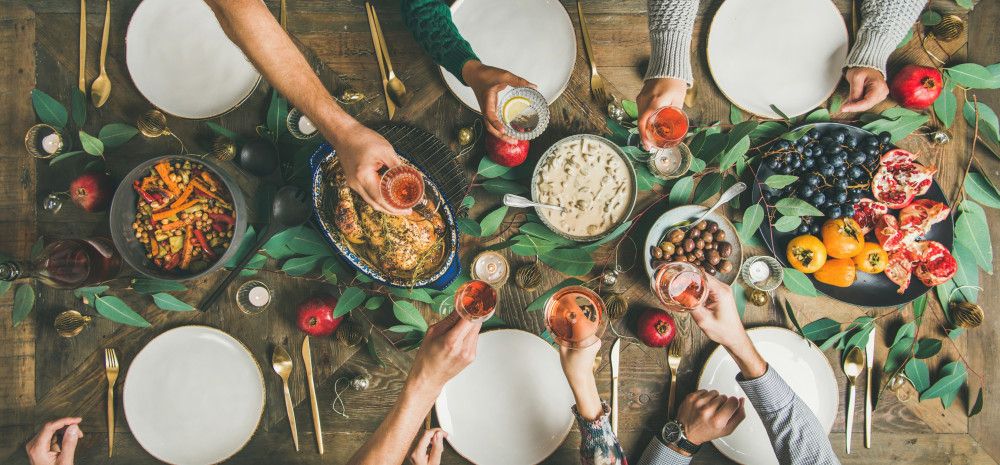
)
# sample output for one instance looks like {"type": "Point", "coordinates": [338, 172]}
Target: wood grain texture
{"type": "Point", "coordinates": [57, 377]}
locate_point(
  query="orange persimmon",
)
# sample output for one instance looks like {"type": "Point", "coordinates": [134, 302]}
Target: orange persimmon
{"type": "Point", "coordinates": [838, 272]}
{"type": "Point", "coordinates": [843, 237]}
{"type": "Point", "coordinates": [806, 253]}
{"type": "Point", "coordinates": [872, 259]}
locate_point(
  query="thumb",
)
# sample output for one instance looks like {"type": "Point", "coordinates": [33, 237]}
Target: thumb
{"type": "Point", "coordinates": [70, 438]}
{"type": "Point", "coordinates": [437, 447]}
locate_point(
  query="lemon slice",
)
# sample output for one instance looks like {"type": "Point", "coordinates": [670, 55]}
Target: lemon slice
{"type": "Point", "coordinates": [515, 107]}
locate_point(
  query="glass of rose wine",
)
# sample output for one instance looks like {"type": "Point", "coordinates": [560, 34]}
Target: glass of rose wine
{"type": "Point", "coordinates": [680, 286]}
{"type": "Point", "coordinates": [476, 300]}
{"type": "Point", "coordinates": [574, 316]}
{"type": "Point", "coordinates": [402, 186]}
{"type": "Point", "coordinates": [665, 128]}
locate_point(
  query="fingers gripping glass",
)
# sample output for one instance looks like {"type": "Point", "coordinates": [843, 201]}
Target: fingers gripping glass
{"type": "Point", "coordinates": [523, 111]}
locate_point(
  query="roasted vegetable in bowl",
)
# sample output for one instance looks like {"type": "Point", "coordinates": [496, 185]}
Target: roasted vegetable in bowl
{"type": "Point", "coordinates": [184, 216]}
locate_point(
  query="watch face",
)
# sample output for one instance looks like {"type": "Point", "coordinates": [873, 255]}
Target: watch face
{"type": "Point", "coordinates": [671, 432]}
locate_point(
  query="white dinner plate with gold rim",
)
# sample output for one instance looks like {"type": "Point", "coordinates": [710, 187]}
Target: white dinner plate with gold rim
{"type": "Point", "coordinates": [533, 39]}
{"type": "Point", "coordinates": [182, 62]}
{"type": "Point", "coordinates": [803, 367]}
{"type": "Point", "coordinates": [511, 405]}
{"type": "Point", "coordinates": [193, 395]}
{"type": "Point", "coordinates": [789, 53]}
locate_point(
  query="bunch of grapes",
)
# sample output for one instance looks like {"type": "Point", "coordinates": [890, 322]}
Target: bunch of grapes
{"type": "Point", "coordinates": [834, 169]}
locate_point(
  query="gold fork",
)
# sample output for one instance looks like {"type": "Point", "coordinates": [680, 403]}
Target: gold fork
{"type": "Point", "coordinates": [111, 369]}
{"type": "Point", "coordinates": [674, 360]}
{"type": "Point", "coordinates": [597, 88]}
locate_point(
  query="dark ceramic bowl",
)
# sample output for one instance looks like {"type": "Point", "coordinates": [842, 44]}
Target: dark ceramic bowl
{"type": "Point", "coordinates": [123, 207]}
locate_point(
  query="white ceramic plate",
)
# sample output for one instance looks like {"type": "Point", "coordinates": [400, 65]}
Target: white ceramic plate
{"type": "Point", "coordinates": [789, 53]}
{"type": "Point", "coordinates": [533, 39]}
{"type": "Point", "coordinates": [511, 405]}
{"type": "Point", "coordinates": [183, 63]}
{"type": "Point", "coordinates": [692, 212]}
{"type": "Point", "coordinates": [802, 365]}
{"type": "Point", "coordinates": [194, 395]}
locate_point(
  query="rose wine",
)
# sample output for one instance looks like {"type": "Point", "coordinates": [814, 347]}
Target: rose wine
{"type": "Point", "coordinates": [475, 300]}
{"type": "Point", "coordinates": [666, 127]}
{"type": "Point", "coordinates": [402, 186]}
{"type": "Point", "coordinates": [575, 316]}
{"type": "Point", "coordinates": [680, 286]}
{"type": "Point", "coordinates": [68, 264]}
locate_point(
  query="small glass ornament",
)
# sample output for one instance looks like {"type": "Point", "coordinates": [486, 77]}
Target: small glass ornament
{"type": "Point", "coordinates": [528, 277]}
{"type": "Point", "coordinates": [616, 112]}
{"type": "Point", "coordinates": [253, 297]}
{"type": "Point", "coordinates": [940, 137]}
{"type": "Point", "coordinates": [361, 382]}
{"type": "Point", "coordinates": [966, 314]}
{"type": "Point", "coordinates": [43, 141]}
{"type": "Point", "coordinates": [350, 96]}
{"type": "Point", "coordinates": [70, 323]}
{"type": "Point", "coordinates": [153, 124]}
{"type": "Point", "coordinates": [300, 126]}
{"type": "Point", "coordinates": [223, 149]}
{"type": "Point", "coordinates": [54, 202]}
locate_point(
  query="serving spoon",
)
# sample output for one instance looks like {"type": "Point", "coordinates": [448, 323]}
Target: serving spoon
{"type": "Point", "coordinates": [729, 194]}
{"type": "Point", "coordinates": [290, 208]}
{"type": "Point", "coordinates": [517, 201]}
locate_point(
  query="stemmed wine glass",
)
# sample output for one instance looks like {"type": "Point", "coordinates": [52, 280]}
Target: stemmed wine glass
{"type": "Point", "coordinates": [680, 286]}
{"type": "Point", "coordinates": [575, 317]}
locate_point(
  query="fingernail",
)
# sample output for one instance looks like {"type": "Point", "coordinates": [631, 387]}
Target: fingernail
{"type": "Point", "coordinates": [73, 431]}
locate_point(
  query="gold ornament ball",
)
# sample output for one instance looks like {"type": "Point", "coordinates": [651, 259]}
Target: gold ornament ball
{"type": "Point", "coordinates": [349, 334]}
{"type": "Point", "coordinates": [223, 149]}
{"type": "Point", "coordinates": [528, 277]}
{"type": "Point", "coordinates": [70, 323]}
{"type": "Point", "coordinates": [758, 297]}
{"type": "Point", "coordinates": [616, 305]}
{"type": "Point", "coordinates": [967, 314]}
{"type": "Point", "coordinates": [152, 124]}
{"type": "Point", "coordinates": [465, 136]}
{"type": "Point", "coordinates": [351, 96]}
{"type": "Point", "coordinates": [950, 28]}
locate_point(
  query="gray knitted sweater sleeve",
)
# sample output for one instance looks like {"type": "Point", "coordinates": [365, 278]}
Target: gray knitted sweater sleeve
{"type": "Point", "coordinates": [671, 23]}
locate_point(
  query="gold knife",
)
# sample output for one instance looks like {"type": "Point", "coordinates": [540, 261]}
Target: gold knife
{"type": "Point", "coordinates": [389, 105]}
{"type": "Point", "coordinates": [307, 358]}
{"type": "Point", "coordinates": [83, 46]}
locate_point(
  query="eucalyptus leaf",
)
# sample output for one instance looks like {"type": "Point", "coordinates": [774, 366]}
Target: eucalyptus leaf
{"type": "Point", "coordinates": [980, 189]}
{"type": "Point", "coordinates": [819, 115]}
{"type": "Point", "coordinates": [797, 133]}
{"type": "Point", "coordinates": [927, 348]}
{"type": "Point", "coordinates": [787, 223]}
{"type": "Point", "coordinates": [48, 109]}
{"type": "Point", "coordinates": [972, 75]}
{"type": "Point", "coordinates": [468, 201]}
{"type": "Point", "coordinates": [89, 294]}
{"type": "Point", "coordinates": [798, 283]}
{"type": "Point", "coordinates": [539, 302]}
{"type": "Point", "coordinates": [906, 39]}
{"type": "Point", "coordinates": [967, 277]}
{"type": "Point", "coordinates": [489, 169]}
{"type": "Point", "coordinates": [402, 328]}
{"type": "Point", "coordinates": [680, 193]}
{"type": "Point", "coordinates": [919, 306]}
{"type": "Point", "coordinates": [308, 242]}
{"type": "Point", "coordinates": [277, 113]}
{"type": "Point", "coordinates": [300, 266]}
{"type": "Point", "coordinates": [779, 112]}
{"type": "Point", "coordinates": [898, 127]}
{"type": "Point", "coordinates": [491, 222]}
{"type": "Point", "coordinates": [738, 132]}
{"type": "Point", "coordinates": [24, 301]}
{"type": "Point", "coordinates": [530, 246]}
{"type": "Point", "coordinates": [222, 131]}
{"type": "Point", "coordinates": [790, 313]}
{"type": "Point", "coordinates": [768, 130]}
{"type": "Point", "coordinates": [819, 330]}
{"type": "Point", "coordinates": [740, 297]}
{"type": "Point", "coordinates": [150, 286]}
{"type": "Point", "coordinates": [916, 371]}
{"type": "Point", "coordinates": [947, 385]}
{"type": "Point", "coordinates": [631, 109]}
{"type": "Point", "coordinates": [374, 302]}
{"type": "Point", "coordinates": [713, 147]}
{"type": "Point", "coordinates": [967, 4]}
{"type": "Point", "coordinates": [898, 354]}
{"type": "Point", "coordinates": [542, 232]}
{"type": "Point", "coordinates": [408, 314]}
{"type": "Point", "coordinates": [908, 330]}
{"type": "Point", "coordinates": [503, 186]}
{"type": "Point", "coordinates": [331, 268]}
{"type": "Point", "coordinates": [469, 227]}
{"type": "Point", "coordinates": [752, 219]}
{"type": "Point", "coordinates": [697, 165]}
{"type": "Point", "coordinates": [930, 18]}
{"type": "Point", "coordinates": [972, 231]}
{"type": "Point", "coordinates": [116, 310]}
{"type": "Point", "coordinates": [420, 295]}
{"type": "Point", "coordinates": [832, 341]}
{"type": "Point", "coordinates": [572, 262]}
{"type": "Point", "coordinates": [116, 134]}
{"type": "Point", "coordinates": [735, 115]}
{"type": "Point", "coordinates": [611, 235]}
{"type": "Point", "coordinates": [78, 103]}
{"type": "Point", "coordinates": [792, 206]}
{"type": "Point", "coordinates": [708, 186]}
{"type": "Point", "coordinates": [946, 106]}
{"type": "Point", "coordinates": [778, 181]}
{"type": "Point", "coordinates": [734, 153]}
{"type": "Point", "coordinates": [835, 103]}
{"type": "Point", "coordinates": [254, 265]}
{"type": "Point", "coordinates": [988, 123]}
{"type": "Point", "coordinates": [91, 144]}
{"type": "Point", "coordinates": [954, 334]}
{"type": "Point", "coordinates": [977, 406]}
{"type": "Point", "coordinates": [168, 302]}
{"type": "Point", "coordinates": [349, 299]}
{"type": "Point", "coordinates": [64, 156]}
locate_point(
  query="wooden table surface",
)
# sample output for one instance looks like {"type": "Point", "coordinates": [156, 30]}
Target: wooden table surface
{"type": "Point", "coordinates": [45, 376]}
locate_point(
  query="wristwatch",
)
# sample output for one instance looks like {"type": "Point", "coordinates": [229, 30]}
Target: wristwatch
{"type": "Point", "coordinates": [673, 433]}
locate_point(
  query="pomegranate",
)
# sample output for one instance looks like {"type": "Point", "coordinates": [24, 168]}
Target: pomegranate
{"type": "Point", "coordinates": [656, 328]}
{"type": "Point", "coordinates": [92, 191]}
{"type": "Point", "coordinates": [867, 213]}
{"type": "Point", "coordinates": [315, 316]}
{"type": "Point", "coordinates": [916, 87]}
{"type": "Point", "coordinates": [936, 264]}
{"type": "Point", "coordinates": [899, 180]}
{"type": "Point", "coordinates": [504, 153]}
{"type": "Point", "coordinates": [900, 268]}
{"type": "Point", "coordinates": [920, 215]}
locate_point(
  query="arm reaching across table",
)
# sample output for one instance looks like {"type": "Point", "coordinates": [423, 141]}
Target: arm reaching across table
{"type": "Point", "coordinates": [361, 151]}
{"type": "Point", "coordinates": [598, 444]}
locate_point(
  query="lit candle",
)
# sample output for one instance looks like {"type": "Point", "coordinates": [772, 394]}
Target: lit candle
{"type": "Point", "coordinates": [759, 271]}
{"type": "Point", "coordinates": [52, 143]}
{"type": "Point", "coordinates": [490, 267]}
{"type": "Point", "coordinates": [667, 161]}
{"type": "Point", "coordinates": [259, 296]}
{"type": "Point", "coordinates": [306, 125]}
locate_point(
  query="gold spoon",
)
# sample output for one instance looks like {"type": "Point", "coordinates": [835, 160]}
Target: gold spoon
{"type": "Point", "coordinates": [397, 90]}
{"type": "Point", "coordinates": [282, 364]}
{"type": "Point", "coordinates": [854, 362]}
{"type": "Point", "coordinates": [100, 89]}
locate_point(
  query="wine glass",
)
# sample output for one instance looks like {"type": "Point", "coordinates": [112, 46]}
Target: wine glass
{"type": "Point", "coordinates": [665, 128]}
{"type": "Point", "coordinates": [574, 316]}
{"type": "Point", "coordinates": [476, 300]}
{"type": "Point", "coordinates": [680, 286]}
{"type": "Point", "coordinates": [402, 186]}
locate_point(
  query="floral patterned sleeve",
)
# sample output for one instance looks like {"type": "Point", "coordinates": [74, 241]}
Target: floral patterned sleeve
{"type": "Point", "coordinates": [598, 444]}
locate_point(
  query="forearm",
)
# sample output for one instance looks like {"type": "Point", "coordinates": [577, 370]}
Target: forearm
{"type": "Point", "coordinates": [588, 400]}
{"type": "Point", "coordinates": [671, 23]}
{"type": "Point", "coordinates": [390, 443]}
{"type": "Point", "coordinates": [884, 23]}
{"type": "Point", "coordinates": [432, 27]}
{"type": "Point", "coordinates": [751, 364]}
{"type": "Point", "coordinates": [250, 25]}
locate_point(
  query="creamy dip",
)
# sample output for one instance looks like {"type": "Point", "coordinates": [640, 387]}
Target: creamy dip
{"type": "Point", "coordinates": [590, 180]}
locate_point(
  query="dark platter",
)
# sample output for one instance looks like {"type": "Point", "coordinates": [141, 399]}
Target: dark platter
{"type": "Point", "coordinates": [868, 290]}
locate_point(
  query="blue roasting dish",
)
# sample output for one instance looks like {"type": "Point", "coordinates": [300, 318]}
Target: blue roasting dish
{"type": "Point", "coordinates": [324, 199]}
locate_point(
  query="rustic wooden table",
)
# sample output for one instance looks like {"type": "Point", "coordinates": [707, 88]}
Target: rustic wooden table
{"type": "Point", "coordinates": [45, 376]}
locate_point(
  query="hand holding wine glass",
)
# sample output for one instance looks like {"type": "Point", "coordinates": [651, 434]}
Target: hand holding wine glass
{"type": "Point", "coordinates": [578, 366]}
{"type": "Point", "coordinates": [720, 320]}
{"type": "Point", "coordinates": [448, 347]}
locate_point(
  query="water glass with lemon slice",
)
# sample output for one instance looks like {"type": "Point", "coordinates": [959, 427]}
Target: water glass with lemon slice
{"type": "Point", "coordinates": [523, 111]}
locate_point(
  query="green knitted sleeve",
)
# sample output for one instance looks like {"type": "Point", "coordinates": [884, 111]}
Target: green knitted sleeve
{"type": "Point", "coordinates": [430, 23]}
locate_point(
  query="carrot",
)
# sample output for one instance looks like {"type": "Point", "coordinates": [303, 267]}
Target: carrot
{"type": "Point", "coordinates": [163, 169]}
{"type": "Point", "coordinates": [184, 196]}
{"type": "Point", "coordinates": [172, 226]}
{"type": "Point", "coordinates": [159, 216]}
{"type": "Point", "coordinates": [154, 247]}
{"type": "Point", "coordinates": [188, 249]}
{"type": "Point", "coordinates": [204, 190]}
{"type": "Point", "coordinates": [208, 179]}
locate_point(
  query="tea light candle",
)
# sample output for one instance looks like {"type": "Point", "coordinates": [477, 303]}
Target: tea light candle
{"type": "Point", "coordinates": [253, 297]}
{"type": "Point", "coordinates": [667, 161]}
{"type": "Point", "coordinates": [758, 271]}
{"type": "Point", "coordinates": [52, 143]}
{"type": "Point", "coordinates": [306, 125]}
{"type": "Point", "coordinates": [259, 296]}
{"type": "Point", "coordinates": [490, 267]}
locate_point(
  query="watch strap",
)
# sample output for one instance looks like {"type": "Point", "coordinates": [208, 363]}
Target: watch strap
{"type": "Point", "coordinates": [688, 446]}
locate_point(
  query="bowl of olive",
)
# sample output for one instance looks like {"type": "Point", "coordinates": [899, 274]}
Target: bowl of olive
{"type": "Point", "coordinates": [712, 244]}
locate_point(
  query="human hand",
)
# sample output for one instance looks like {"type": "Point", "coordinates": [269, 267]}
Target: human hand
{"type": "Point", "coordinates": [718, 317]}
{"type": "Point", "coordinates": [486, 82]}
{"type": "Point", "coordinates": [868, 88]}
{"type": "Point", "coordinates": [658, 93]}
{"type": "Point", "coordinates": [707, 415]}
{"type": "Point", "coordinates": [578, 364]}
{"type": "Point", "coordinates": [429, 448]}
{"type": "Point", "coordinates": [449, 346]}
{"type": "Point", "coordinates": [362, 155]}
{"type": "Point", "coordinates": [43, 451]}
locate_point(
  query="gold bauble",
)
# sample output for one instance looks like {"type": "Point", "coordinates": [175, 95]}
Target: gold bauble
{"type": "Point", "coordinates": [70, 323]}
{"type": "Point", "coordinates": [152, 124]}
{"type": "Point", "coordinates": [758, 297]}
{"type": "Point", "coordinates": [950, 28]}
{"type": "Point", "coordinates": [465, 136]}
{"type": "Point", "coordinates": [349, 334]}
{"type": "Point", "coordinates": [223, 149]}
{"type": "Point", "coordinates": [351, 96]}
{"type": "Point", "coordinates": [616, 306]}
{"type": "Point", "coordinates": [966, 314]}
{"type": "Point", "coordinates": [528, 277]}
